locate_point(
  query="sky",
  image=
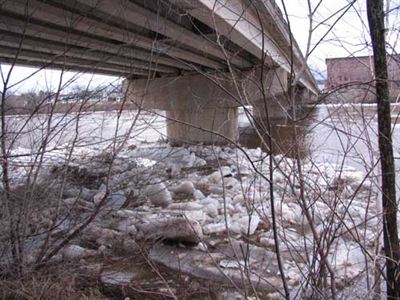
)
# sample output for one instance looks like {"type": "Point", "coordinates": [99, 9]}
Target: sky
{"type": "Point", "coordinates": [341, 34]}
{"type": "Point", "coordinates": [342, 27]}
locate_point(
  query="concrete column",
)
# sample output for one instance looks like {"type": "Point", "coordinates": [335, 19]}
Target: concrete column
{"type": "Point", "coordinates": [207, 126]}
{"type": "Point", "coordinates": [196, 107]}
{"type": "Point", "coordinates": [273, 94]}
{"type": "Point", "coordinates": [277, 108]}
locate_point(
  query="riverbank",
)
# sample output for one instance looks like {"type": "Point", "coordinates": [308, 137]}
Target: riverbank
{"type": "Point", "coordinates": [199, 219]}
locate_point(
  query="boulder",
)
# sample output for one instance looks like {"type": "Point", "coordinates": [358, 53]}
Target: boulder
{"type": "Point", "coordinates": [175, 228]}
{"type": "Point", "coordinates": [116, 200]}
{"type": "Point", "coordinates": [127, 227]}
{"type": "Point", "coordinates": [77, 252]}
{"type": "Point", "coordinates": [81, 192]}
{"type": "Point", "coordinates": [186, 187]}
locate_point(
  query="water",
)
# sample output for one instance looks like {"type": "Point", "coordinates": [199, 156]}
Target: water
{"type": "Point", "coordinates": [345, 134]}
{"type": "Point", "coordinates": [329, 134]}
{"type": "Point", "coordinates": [332, 134]}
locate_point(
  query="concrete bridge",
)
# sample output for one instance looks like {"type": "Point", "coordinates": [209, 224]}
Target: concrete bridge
{"type": "Point", "coordinates": [199, 60]}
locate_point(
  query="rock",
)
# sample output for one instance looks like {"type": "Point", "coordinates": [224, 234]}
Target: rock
{"type": "Point", "coordinates": [215, 177]}
{"type": "Point", "coordinates": [77, 252]}
{"type": "Point", "coordinates": [127, 227]}
{"type": "Point", "coordinates": [185, 187]}
{"type": "Point", "coordinates": [133, 198]}
{"type": "Point", "coordinates": [185, 206]}
{"type": "Point", "coordinates": [203, 265]}
{"type": "Point", "coordinates": [214, 228]}
{"type": "Point", "coordinates": [176, 228]}
{"type": "Point", "coordinates": [256, 257]}
{"type": "Point", "coordinates": [158, 194]}
{"type": "Point", "coordinates": [92, 232]}
{"type": "Point", "coordinates": [113, 277]}
{"type": "Point", "coordinates": [233, 264]}
{"type": "Point", "coordinates": [126, 213]}
{"type": "Point", "coordinates": [214, 189]}
{"type": "Point", "coordinates": [116, 200]}
{"type": "Point", "coordinates": [102, 236]}
{"type": "Point", "coordinates": [99, 197]}
{"type": "Point", "coordinates": [231, 295]}
{"type": "Point", "coordinates": [75, 192]}
{"type": "Point", "coordinates": [128, 246]}
{"type": "Point", "coordinates": [78, 203]}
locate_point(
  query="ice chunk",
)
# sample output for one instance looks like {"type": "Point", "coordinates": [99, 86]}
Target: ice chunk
{"type": "Point", "coordinates": [158, 194]}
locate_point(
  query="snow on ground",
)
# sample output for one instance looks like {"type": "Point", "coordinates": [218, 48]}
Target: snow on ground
{"type": "Point", "coordinates": [217, 198]}
{"type": "Point", "coordinates": [224, 195]}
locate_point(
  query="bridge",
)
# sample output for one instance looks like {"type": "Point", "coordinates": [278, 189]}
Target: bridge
{"type": "Point", "coordinates": [199, 60]}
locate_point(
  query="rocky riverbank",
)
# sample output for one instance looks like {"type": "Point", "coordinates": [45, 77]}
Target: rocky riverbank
{"type": "Point", "coordinates": [203, 215]}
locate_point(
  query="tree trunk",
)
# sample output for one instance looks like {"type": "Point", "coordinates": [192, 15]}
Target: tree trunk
{"type": "Point", "coordinates": [390, 234]}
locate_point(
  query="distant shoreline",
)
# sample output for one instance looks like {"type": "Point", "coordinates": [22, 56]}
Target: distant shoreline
{"type": "Point", "coordinates": [71, 108]}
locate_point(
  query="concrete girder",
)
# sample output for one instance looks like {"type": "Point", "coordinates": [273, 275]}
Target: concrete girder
{"type": "Point", "coordinates": [73, 21]}
{"type": "Point", "coordinates": [94, 65]}
{"type": "Point", "coordinates": [40, 64]}
{"type": "Point", "coordinates": [128, 12]}
{"type": "Point", "coordinates": [59, 49]}
{"type": "Point", "coordinates": [240, 24]}
{"type": "Point", "coordinates": [53, 34]}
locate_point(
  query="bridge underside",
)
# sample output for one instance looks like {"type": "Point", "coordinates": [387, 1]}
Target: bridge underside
{"type": "Point", "coordinates": [116, 37]}
{"type": "Point", "coordinates": [197, 59]}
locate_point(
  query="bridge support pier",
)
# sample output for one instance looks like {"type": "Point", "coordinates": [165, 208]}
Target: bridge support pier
{"type": "Point", "coordinates": [202, 108]}
{"type": "Point", "coordinates": [198, 109]}
{"type": "Point", "coordinates": [276, 108]}
{"type": "Point", "coordinates": [208, 126]}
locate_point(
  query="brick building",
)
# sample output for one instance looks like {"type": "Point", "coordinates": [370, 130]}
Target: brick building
{"type": "Point", "coordinates": [356, 71]}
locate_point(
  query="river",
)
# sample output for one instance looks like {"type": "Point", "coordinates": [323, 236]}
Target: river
{"type": "Point", "coordinates": [332, 134]}
{"type": "Point", "coordinates": [345, 134]}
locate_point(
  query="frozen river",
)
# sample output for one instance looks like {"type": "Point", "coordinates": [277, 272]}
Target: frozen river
{"type": "Point", "coordinates": [330, 134]}
{"type": "Point", "coordinates": [337, 135]}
